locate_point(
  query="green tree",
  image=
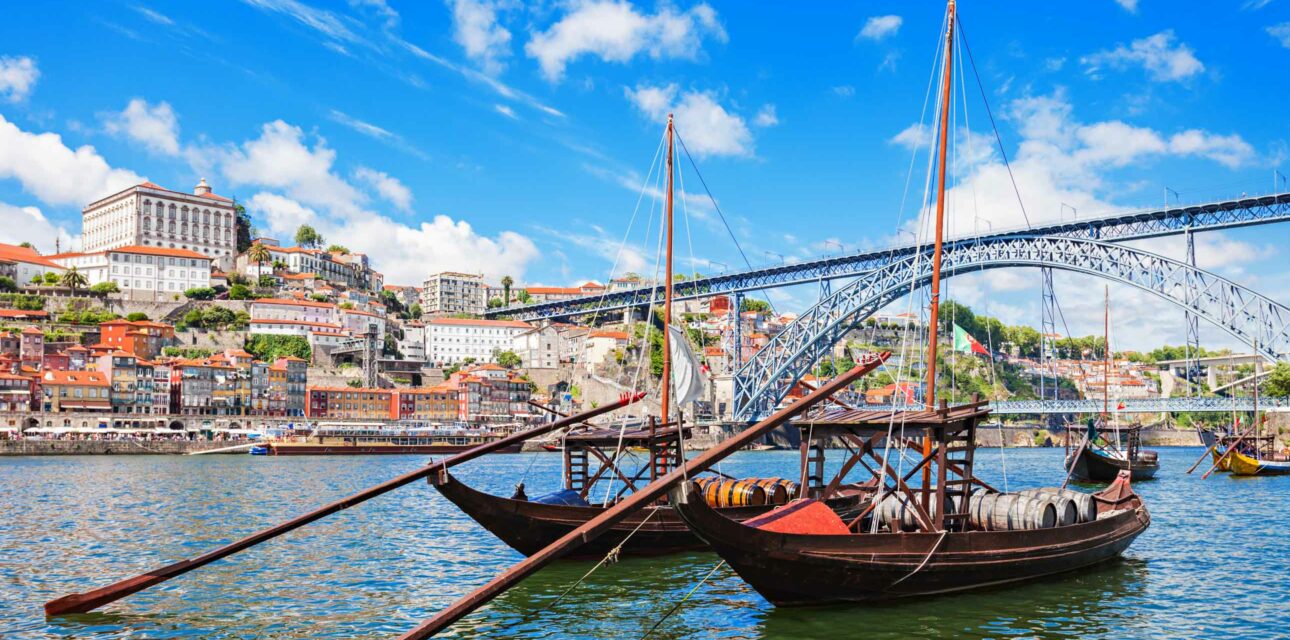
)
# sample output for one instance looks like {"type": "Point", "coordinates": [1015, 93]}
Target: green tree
{"type": "Point", "coordinates": [242, 227]}
{"type": "Point", "coordinates": [336, 248]}
{"type": "Point", "coordinates": [259, 254]}
{"type": "Point", "coordinates": [346, 305]}
{"type": "Point", "coordinates": [355, 384]}
{"type": "Point", "coordinates": [523, 296]}
{"type": "Point", "coordinates": [308, 237]}
{"type": "Point", "coordinates": [507, 282]}
{"type": "Point", "coordinates": [137, 316]}
{"type": "Point", "coordinates": [495, 303]}
{"type": "Point", "coordinates": [7, 284]}
{"type": "Point", "coordinates": [318, 297]}
{"type": "Point", "coordinates": [239, 292]}
{"type": "Point", "coordinates": [52, 278]}
{"type": "Point", "coordinates": [508, 359]}
{"type": "Point", "coordinates": [74, 280]}
{"type": "Point", "coordinates": [28, 245]}
{"type": "Point", "coordinates": [269, 347]}
{"type": "Point", "coordinates": [752, 304]}
{"type": "Point", "coordinates": [104, 288]}
{"type": "Point", "coordinates": [415, 311]}
{"type": "Point", "coordinates": [1278, 381]}
{"type": "Point", "coordinates": [199, 293]}
{"type": "Point", "coordinates": [267, 281]}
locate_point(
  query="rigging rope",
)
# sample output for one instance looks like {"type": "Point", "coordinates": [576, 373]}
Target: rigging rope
{"type": "Point", "coordinates": [682, 600]}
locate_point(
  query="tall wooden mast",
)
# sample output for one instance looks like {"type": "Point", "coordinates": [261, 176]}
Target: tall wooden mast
{"type": "Point", "coordinates": [933, 320]}
{"type": "Point", "coordinates": [666, 399]}
{"type": "Point", "coordinates": [1106, 353]}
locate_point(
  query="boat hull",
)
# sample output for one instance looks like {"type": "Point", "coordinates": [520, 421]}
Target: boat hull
{"type": "Point", "coordinates": [805, 569]}
{"type": "Point", "coordinates": [1095, 467]}
{"type": "Point", "coordinates": [307, 449]}
{"type": "Point", "coordinates": [529, 527]}
{"type": "Point", "coordinates": [1242, 465]}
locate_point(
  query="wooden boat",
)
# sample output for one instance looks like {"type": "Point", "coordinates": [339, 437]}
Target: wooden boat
{"type": "Point", "coordinates": [796, 555]}
{"type": "Point", "coordinates": [1241, 464]}
{"type": "Point", "coordinates": [1107, 452]}
{"type": "Point", "coordinates": [378, 439]}
{"type": "Point", "coordinates": [943, 533]}
{"type": "Point", "coordinates": [530, 525]}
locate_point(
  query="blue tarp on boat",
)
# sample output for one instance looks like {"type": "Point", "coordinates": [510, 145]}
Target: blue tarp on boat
{"type": "Point", "coordinates": [568, 497]}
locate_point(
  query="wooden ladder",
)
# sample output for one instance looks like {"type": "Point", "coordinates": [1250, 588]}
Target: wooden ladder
{"type": "Point", "coordinates": [959, 450]}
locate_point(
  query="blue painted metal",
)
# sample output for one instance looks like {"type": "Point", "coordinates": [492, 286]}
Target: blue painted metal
{"type": "Point", "coordinates": [1142, 405]}
{"type": "Point", "coordinates": [1129, 226]}
{"type": "Point", "coordinates": [1251, 318]}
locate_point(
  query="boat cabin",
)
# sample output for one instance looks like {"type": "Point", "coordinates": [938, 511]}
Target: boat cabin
{"type": "Point", "coordinates": [596, 454]}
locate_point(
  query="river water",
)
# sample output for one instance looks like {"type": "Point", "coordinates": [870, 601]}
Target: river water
{"type": "Point", "coordinates": [1213, 563]}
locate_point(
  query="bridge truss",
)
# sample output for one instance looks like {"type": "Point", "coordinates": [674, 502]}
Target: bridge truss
{"type": "Point", "coordinates": [1129, 226]}
{"type": "Point", "coordinates": [1248, 316]}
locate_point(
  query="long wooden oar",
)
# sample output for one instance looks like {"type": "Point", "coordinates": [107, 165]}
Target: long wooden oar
{"type": "Point", "coordinates": [644, 497]}
{"type": "Point", "coordinates": [1228, 452]}
{"type": "Point", "coordinates": [1075, 461]}
{"type": "Point", "coordinates": [1202, 457]}
{"type": "Point", "coordinates": [90, 600]}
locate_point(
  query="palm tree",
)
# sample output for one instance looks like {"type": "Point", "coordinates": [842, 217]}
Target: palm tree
{"type": "Point", "coordinates": [506, 290]}
{"type": "Point", "coordinates": [259, 254]}
{"type": "Point", "coordinates": [73, 279]}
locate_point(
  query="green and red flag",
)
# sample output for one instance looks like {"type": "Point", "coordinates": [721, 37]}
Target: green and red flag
{"type": "Point", "coordinates": [965, 343]}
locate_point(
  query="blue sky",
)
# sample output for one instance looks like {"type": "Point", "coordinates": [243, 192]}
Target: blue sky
{"type": "Point", "coordinates": [512, 138]}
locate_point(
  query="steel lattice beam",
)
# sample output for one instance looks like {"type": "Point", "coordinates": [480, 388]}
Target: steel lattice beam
{"type": "Point", "coordinates": [1129, 226]}
{"type": "Point", "coordinates": [1251, 318]}
{"type": "Point", "coordinates": [1143, 405]}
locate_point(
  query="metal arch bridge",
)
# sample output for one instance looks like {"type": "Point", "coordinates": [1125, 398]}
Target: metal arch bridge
{"type": "Point", "coordinates": [1142, 405]}
{"type": "Point", "coordinates": [1153, 223]}
{"type": "Point", "coordinates": [1252, 318]}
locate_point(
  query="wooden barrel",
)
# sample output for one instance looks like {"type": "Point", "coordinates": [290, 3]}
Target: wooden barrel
{"type": "Point", "coordinates": [734, 493]}
{"type": "Point", "coordinates": [1011, 512]}
{"type": "Point", "coordinates": [898, 515]}
{"type": "Point", "coordinates": [1085, 507]}
{"type": "Point", "coordinates": [778, 490]}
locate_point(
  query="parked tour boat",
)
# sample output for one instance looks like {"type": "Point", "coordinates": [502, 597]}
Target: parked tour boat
{"type": "Point", "coordinates": [374, 439]}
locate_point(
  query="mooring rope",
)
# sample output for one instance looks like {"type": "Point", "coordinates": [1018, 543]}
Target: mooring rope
{"type": "Point", "coordinates": [682, 600]}
{"type": "Point", "coordinates": [925, 559]}
{"type": "Point", "coordinates": [610, 557]}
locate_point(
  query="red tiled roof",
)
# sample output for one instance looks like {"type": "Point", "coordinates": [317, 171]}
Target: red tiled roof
{"type": "Point", "coordinates": [160, 251]}
{"type": "Point", "coordinates": [616, 335]}
{"type": "Point", "coordinates": [302, 323]}
{"type": "Point", "coordinates": [298, 303]}
{"type": "Point", "coordinates": [16, 253]}
{"type": "Point", "coordinates": [33, 329]}
{"type": "Point", "coordinates": [91, 378]}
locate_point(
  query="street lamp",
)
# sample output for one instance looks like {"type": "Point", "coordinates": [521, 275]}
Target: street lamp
{"type": "Point", "coordinates": [772, 253]}
{"type": "Point", "coordinates": [1177, 197]}
{"type": "Point", "coordinates": [1074, 211]}
{"type": "Point", "coordinates": [841, 249]}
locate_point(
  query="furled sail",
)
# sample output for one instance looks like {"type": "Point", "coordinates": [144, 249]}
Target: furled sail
{"type": "Point", "coordinates": [686, 376]}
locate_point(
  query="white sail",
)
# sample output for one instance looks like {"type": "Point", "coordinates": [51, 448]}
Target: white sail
{"type": "Point", "coordinates": [686, 376]}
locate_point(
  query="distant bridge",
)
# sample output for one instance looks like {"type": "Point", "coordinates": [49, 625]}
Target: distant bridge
{"type": "Point", "coordinates": [1137, 225]}
{"type": "Point", "coordinates": [1142, 405]}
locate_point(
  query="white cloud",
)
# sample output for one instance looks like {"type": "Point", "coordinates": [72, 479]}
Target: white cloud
{"type": "Point", "coordinates": [476, 29]}
{"type": "Point", "coordinates": [1231, 150]}
{"type": "Point", "coordinates": [844, 91]}
{"type": "Point", "coordinates": [55, 173]}
{"type": "Point", "coordinates": [379, 8]}
{"type": "Point", "coordinates": [1158, 55]}
{"type": "Point", "coordinates": [388, 187]}
{"type": "Point", "coordinates": [879, 27]}
{"type": "Point", "coordinates": [766, 117]}
{"type": "Point", "coordinates": [281, 159]}
{"type": "Point", "coordinates": [28, 224]}
{"type": "Point", "coordinates": [614, 31]}
{"type": "Point", "coordinates": [706, 126]}
{"type": "Point", "coordinates": [406, 254]}
{"type": "Point", "coordinates": [506, 111]}
{"type": "Point", "coordinates": [156, 127]}
{"type": "Point", "coordinates": [1129, 5]}
{"type": "Point", "coordinates": [18, 77]}
{"type": "Point", "coordinates": [320, 20]}
{"type": "Point", "coordinates": [378, 133]}
{"type": "Point", "coordinates": [1281, 32]}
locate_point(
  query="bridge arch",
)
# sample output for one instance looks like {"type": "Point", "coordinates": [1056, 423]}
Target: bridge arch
{"type": "Point", "coordinates": [1248, 316]}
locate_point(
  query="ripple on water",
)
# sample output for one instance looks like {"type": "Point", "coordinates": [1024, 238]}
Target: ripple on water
{"type": "Point", "coordinates": [1209, 563]}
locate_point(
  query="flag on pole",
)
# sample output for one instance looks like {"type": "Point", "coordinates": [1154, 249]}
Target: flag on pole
{"type": "Point", "coordinates": [1119, 407]}
{"type": "Point", "coordinates": [965, 343]}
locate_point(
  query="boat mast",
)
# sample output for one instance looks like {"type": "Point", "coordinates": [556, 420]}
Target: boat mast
{"type": "Point", "coordinates": [933, 320]}
{"type": "Point", "coordinates": [666, 399]}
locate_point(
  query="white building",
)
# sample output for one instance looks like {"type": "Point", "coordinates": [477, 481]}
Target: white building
{"type": "Point", "coordinates": [451, 292]}
{"type": "Point", "coordinates": [142, 273]}
{"type": "Point", "coordinates": [452, 340]}
{"type": "Point", "coordinates": [539, 347]}
{"type": "Point", "coordinates": [600, 344]}
{"type": "Point", "coordinates": [413, 344]}
{"type": "Point", "coordinates": [152, 216]}
{"type": "Point", "coordinates": [356, 321]}
{"type": "Point", "coordinates": [27, 263]}
{"type": "Point", "coordinates": [295, 310]}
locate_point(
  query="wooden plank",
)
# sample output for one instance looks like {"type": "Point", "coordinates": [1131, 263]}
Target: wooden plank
{"type": "Point", "coordinates": [633, 503]}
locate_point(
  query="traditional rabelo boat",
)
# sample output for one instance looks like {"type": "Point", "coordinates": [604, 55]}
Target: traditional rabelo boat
{"type": "Point", "coordinates": [1105, 449]}
{"type": "Point", "coordinates": [375, 439]}
{"type": "Point", "coordinates": [942, 533]}
{"type": "Point", "coordinates": [598, 461]}
{"type": "Point", "coordinates": [1253, 453]}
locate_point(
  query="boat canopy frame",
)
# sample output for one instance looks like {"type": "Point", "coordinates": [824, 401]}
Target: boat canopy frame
{"type": "Point", "coordinates": [609, 447]}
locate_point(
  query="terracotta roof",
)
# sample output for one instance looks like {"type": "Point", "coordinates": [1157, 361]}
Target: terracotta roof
{"type": "Point", "coordinates": [160, 251]}
{"type": "Point", "coordinates": [30, 330]}
{"type": "Point", "coordinates": [16, 253]}
{"type": "Point", "coordinates": [616, 335]}
{"type": "Point", "coordinates": [91, 378]}
{"type": "Point", "coordinates": [213, 197]}
{"type": "Point", "coordinates": [481, 323]}
{"type": "Point", "coordinates": [354, 389]}
{"type": "Point", "coordinates": [361, 313]}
